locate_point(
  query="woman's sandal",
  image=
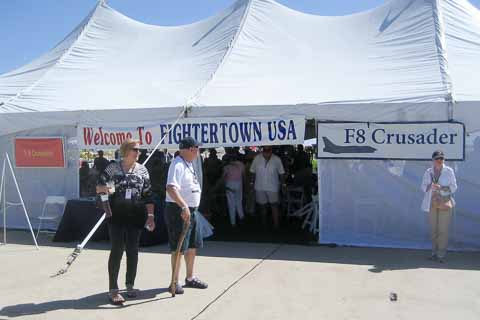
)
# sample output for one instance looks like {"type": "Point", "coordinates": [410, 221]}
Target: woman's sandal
{"type": "Point", "coordinates": [116, 298]}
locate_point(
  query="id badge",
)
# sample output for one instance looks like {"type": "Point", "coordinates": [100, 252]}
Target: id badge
{"type": "Point", "coordinates": [128, 194]}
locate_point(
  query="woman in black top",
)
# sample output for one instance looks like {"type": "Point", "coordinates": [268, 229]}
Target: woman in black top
{"type": "Point", "coordinates": [129, 208]}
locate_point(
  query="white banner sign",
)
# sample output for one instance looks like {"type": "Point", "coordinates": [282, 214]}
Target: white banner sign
{"type": "Point", "coordinates": [215, 132]}
{"type": "Point", "coordinates": [397, 141]}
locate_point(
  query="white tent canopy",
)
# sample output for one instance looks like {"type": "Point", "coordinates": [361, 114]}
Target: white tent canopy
{"type": "Point", "coordinates": [406, 60]}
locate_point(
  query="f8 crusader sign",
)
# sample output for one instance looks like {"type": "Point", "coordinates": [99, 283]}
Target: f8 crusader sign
{"type": "Point", "coordinates": [397, 141]}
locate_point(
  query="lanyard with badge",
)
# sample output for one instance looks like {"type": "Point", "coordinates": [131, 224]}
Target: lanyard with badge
{"type": "Point", "coordinates": [128, 191]}
{"type": "Point", "coordinates": [192, 170]}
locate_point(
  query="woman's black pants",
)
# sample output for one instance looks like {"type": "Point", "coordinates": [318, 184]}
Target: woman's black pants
{"type": "Point", "coordinates": [123, 238]}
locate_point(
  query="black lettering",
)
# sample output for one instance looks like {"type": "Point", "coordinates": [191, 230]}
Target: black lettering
{"type": "Point", "coordinates": [443, 138]}
{"type": "Point", "coordinates": [432, 137]}
{"type": "Point", "coordinates": [389, 137]}
{"type": "Point", "coordinates": [400, 138]}
{"type": "Point", "coordinates": [374, 136]}
{"type": "Point", "coordinates": [411, 138]}
{"type": "Point", "coordinates": [452, 135]}
{"type": "Point", "coordinates": [348, 135]}
{"type": "Point", "coordinates": [420, 139]}
{"type": "Point", "coordinates": [360, 136]}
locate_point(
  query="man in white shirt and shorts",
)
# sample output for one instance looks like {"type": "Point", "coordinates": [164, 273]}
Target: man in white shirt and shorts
{"type": "Point", "coordinates": [182, 201]}
{"type": "Point", "coordinates": [268, 175]}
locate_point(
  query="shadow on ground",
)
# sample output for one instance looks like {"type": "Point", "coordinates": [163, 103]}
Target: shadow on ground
{"type": "Point", "coordinates": [380, 259]}
{"type": "Point", "coordinates": [97, 301]}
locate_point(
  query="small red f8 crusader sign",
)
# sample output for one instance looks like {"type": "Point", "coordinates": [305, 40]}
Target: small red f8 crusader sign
{"type": "Point", "coordinates": [39, 152]}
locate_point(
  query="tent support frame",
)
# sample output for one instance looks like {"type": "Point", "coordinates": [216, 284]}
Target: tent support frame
{"type": "Point", "coordinates": [3, 199]}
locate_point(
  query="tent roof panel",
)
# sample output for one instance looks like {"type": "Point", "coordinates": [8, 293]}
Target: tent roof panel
{"type": "Point", "coordinates": [462, 33]}
{"type": "Point", "coordinates": [257, 53]}
{"type": "Point", "coordinates": [117, 62]}
{"type": "Point", "coordinates": [388, 54]}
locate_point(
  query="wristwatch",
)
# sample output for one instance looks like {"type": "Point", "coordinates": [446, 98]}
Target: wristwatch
{"type": "Point", "coordinates": [151, 215]}
{"type": "Point", "coordinates": [183, 208]}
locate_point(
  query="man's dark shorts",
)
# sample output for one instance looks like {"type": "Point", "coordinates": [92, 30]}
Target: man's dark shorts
{"type": "Point", "coordinates": [174, 222]}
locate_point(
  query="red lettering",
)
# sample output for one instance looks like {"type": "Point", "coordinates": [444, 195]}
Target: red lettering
{"type": "Point", "coordinates": [107, 142]}
{"type": "Point", "coordinates": [148, 137]}
{"type": "Point", "coordinates": [87, 136]}
{"type": "Point", "coordinates": [120, 137]}
{"type": "Point", "coordinates": [140, 129]}
{"type": "Point", "coordinates": [101, 136]}
{"type": "Point", "coordinates": [96, 139]}
{"type": "Point", "coordinates": [113, 138]}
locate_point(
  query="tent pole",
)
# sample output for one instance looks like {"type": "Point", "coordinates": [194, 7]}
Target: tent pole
{"type": "Point", "coordinates": [2, 199]}
{"type": "Point", "coordinates": [450, 109]}
{"type": "Point", "coordinates": [319, 186]}
{"type": "Point", "coordinates": [21, 200]}
{"type": "Point", "coordinates": [320, 213]}
{"type": "Point", "coordinates": [186, 111]}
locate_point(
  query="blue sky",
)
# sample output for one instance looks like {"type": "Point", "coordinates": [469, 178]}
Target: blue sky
{"type": "Point", "coordinates": [29, 28]}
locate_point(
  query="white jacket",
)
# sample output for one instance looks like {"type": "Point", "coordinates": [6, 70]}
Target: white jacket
{"type": "Point", "coordinates": [447, 179]}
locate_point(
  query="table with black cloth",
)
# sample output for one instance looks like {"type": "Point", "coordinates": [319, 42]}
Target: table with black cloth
{"type": "Point", "coordinates": [81, 215]}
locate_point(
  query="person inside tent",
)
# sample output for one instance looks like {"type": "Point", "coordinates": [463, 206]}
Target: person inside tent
{"type": "Point", "coordinates": [234, 176]}
{"type": "Point", "coordinates": [268, 175]}
{"type": "Point", "coordinates": [100, 163]}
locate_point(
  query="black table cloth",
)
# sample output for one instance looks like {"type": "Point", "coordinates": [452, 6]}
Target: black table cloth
{"type": "Point", "coordinates": [80, 217]}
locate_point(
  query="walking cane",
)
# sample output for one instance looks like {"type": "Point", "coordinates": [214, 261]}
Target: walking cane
{"type": "Point", "coordinates": [173, 286]}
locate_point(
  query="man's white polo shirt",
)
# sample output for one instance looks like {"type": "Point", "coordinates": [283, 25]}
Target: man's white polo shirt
{"type": "Point", "coordinates": [267, 173]}
{"type": "Point", "coordinates": [183, 177]}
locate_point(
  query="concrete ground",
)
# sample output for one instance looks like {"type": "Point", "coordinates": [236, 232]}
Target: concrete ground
{"type": "Point", "coordinates": [246, 281]}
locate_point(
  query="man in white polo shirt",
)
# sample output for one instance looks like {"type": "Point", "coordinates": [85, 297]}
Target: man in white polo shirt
{"type": "Point", "coordinates": [182, 201]}
{"type": "Point", "coordinates": [267, 176]}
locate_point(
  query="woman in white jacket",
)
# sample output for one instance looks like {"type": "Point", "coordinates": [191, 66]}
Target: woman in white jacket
{"type": "Point", "coordinates": [439, 184]}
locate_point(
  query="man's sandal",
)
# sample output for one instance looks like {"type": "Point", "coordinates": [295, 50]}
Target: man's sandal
{"type": "Point", "coordinates": [195, 283]}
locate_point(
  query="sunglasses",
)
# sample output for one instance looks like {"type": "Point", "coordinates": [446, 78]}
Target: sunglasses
{"type": "Point", "coordinates": [136, 149]}
{"type": "Point", "coordinates": [436, 159]}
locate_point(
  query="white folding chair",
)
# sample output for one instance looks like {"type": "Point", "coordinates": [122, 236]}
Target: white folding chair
{"type": "Point", "coordinates": [312, 217]}
{"type": "Point", "coordinates": [305, 210]}
{"type": "Point", "coordinates": [295, 198]}
{"type": "Point", "coordinates": [49, 214]}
